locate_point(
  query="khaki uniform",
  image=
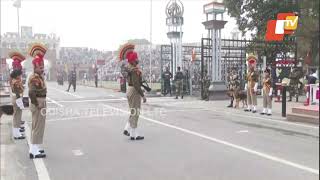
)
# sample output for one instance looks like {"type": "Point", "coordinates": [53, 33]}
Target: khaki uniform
{"type": "Point", "coordinates": [234, 89]}
{"type": "Point", "coordinates": [17, 92]}
{"type": "Point", "coordinates": [267, 100]}
{"type": "Point", "coordinates": [37, 94]}
{"type": "Point", "coordinates": [134, 94]}
{"type": "Point", "coordinates": [252, 79]}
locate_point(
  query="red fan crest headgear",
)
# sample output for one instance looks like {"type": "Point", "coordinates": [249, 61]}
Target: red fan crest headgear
{"type": "Point", "coordinates": [252, 60]}
{"type": "Point", "coordinates": [17, 59]}
{"type": "Point", "coordinates": [37, 51]}
{"type": "Point", "coordinates": [124, 50]}
{"type": "Point", "coordinates": [132, 57]}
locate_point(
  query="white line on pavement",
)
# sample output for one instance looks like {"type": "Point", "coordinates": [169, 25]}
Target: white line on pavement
{"type": "Point", "coordinates": [243, 131]}
{"type": "Point", "coordinates": [55, 102]}
{"type": "Point", "coordinates": [65, 92]}
{"type": "Point", "coordinates": [215, 110]}
{"type": "Point", "coordinates": [263, 155]}
{"type": "Point", "coordinates": [38, 163]}
{"type": "Point", "coordinates": [3, 157]}
{"type": "Point", "coordinates": [77, 152]}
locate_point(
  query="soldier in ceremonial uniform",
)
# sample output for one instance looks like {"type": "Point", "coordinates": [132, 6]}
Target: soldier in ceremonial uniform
{"type": "Point", "coordinates": [37, 94]}
{"type": "Point", "coordinates": [234, 86]}
{"type": "Point", "coordinates": [267, 93]}
{"type": "Point", "coordinates": [17, 94]}
{"type": "Point", "coordinates": [179, 83]}
{"type": "Point", "coordinates": [134, 95]}
{"type": "Point", "coordinates": [166, 79]}
{"type": "Point", "coordinates": [252, 84]}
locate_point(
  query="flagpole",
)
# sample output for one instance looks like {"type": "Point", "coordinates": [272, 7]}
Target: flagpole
{"type": "Point", "coordinates": [150, 75]}
{"type": "Point", "coordinates": [0, 37]}
{"type": "Point", "coordinates": [18, 39]}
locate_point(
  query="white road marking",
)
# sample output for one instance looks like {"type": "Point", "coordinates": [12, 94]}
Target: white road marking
{"type": "Point", "coordinates": [65, 92]}
{"type": "Point", "coordinates": [243, 131]}
{"type": "Point", "coordinates": [77, 152]}
{"type": "Point", "coordinates": [250, 151]}
{"type": "Point", "coordinates": [3, 157]}
{"type": "Point", "coordinates": [38, 163]}
{"type": "Point", "coordinates": [55, 102]}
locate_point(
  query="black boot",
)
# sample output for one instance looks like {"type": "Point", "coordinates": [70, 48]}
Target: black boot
{"type": "Point", "coordinates": [125, 132]}
{"type": "Point", "coordinates": [41, 155]}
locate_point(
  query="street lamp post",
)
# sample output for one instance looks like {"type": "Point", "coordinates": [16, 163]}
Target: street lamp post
{"type": "Point", "coordinates": [150, 41]}
{"type": "Point", "coordinates": [17, 4]}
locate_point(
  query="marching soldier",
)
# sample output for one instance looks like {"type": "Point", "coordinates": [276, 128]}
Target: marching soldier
{"type": "Point", "coordinates": [206, 85]}
{"type": "Point", "coordinates": [17, 94]}
{"type": "Point", "coordinates": [72, 80]}
{"type": "Point", "coordinates": [166, 79]}
{"type": "Point", "coordinates": [252, 84]}
{"type": "Point", "coordinates": [267, 93]}
{"type": "Point", "coordinates": [234, 86]}
{"type": "Point", "coordinates": [134, 95]}
{"type": "Point", "coordinates": [179, 83]}
{"type": "Point", "coordinates": [37, 94]}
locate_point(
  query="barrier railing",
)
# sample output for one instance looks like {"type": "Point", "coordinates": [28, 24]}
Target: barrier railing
{"type": "Point", "coordinates": [312, 94]}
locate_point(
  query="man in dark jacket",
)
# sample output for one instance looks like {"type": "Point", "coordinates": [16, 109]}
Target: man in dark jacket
{"type": "Point", "coordinates": [72, 80]}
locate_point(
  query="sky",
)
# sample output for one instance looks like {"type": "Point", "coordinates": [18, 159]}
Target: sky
{"type": "Point", "coordinates": [105, 24]}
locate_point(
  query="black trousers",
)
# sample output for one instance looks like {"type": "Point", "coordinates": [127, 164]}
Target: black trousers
{"type": "Point", "coordinates": [73, 85]}
{"type": "Point", "coordinates": [167, 88]}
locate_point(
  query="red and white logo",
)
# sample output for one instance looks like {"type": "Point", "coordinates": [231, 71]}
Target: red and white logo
{"type": "Point", "coordinates": [286, 23]}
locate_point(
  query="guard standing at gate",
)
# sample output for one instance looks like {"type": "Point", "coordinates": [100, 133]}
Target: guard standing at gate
{"type": "Point", "coordinates": [206, 85]}
{"type": "Point", "coordinates": [294, 83]}
{"type": "Point", "coordinates": [17, 89]}
{"type": "Point", "coordinates": [252, 84]}
{"type": "Point", "coordinates": [37, 94]}
{"type": "Point", "coordinates": [179, 83]}
{"type": "Point", "coordinates": [267, 93]}
{"type": "Point", "coordinates": [234, 87]}
{"type": "Point", "coordinates": [167, 75]}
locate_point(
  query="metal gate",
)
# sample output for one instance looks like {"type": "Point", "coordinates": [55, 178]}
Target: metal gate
{"type": "Point", "coordinates": [190, 68]}
{"type": "Point", "coordinates": [233, 53]}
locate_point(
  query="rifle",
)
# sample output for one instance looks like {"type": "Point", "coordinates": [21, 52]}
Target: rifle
{"type": "Point", "coordinates": [145, 85]}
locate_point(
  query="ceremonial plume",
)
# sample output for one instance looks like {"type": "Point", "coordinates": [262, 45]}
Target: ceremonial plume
{"type": "Point", "coordinates": [124, 49]}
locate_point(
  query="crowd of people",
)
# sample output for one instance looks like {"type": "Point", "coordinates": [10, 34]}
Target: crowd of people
{"type": "Point", "coordinates": [110, 71]}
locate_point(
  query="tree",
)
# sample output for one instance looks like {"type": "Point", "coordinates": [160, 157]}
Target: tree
{"type": "Point", "coordinates": [252, 15]}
